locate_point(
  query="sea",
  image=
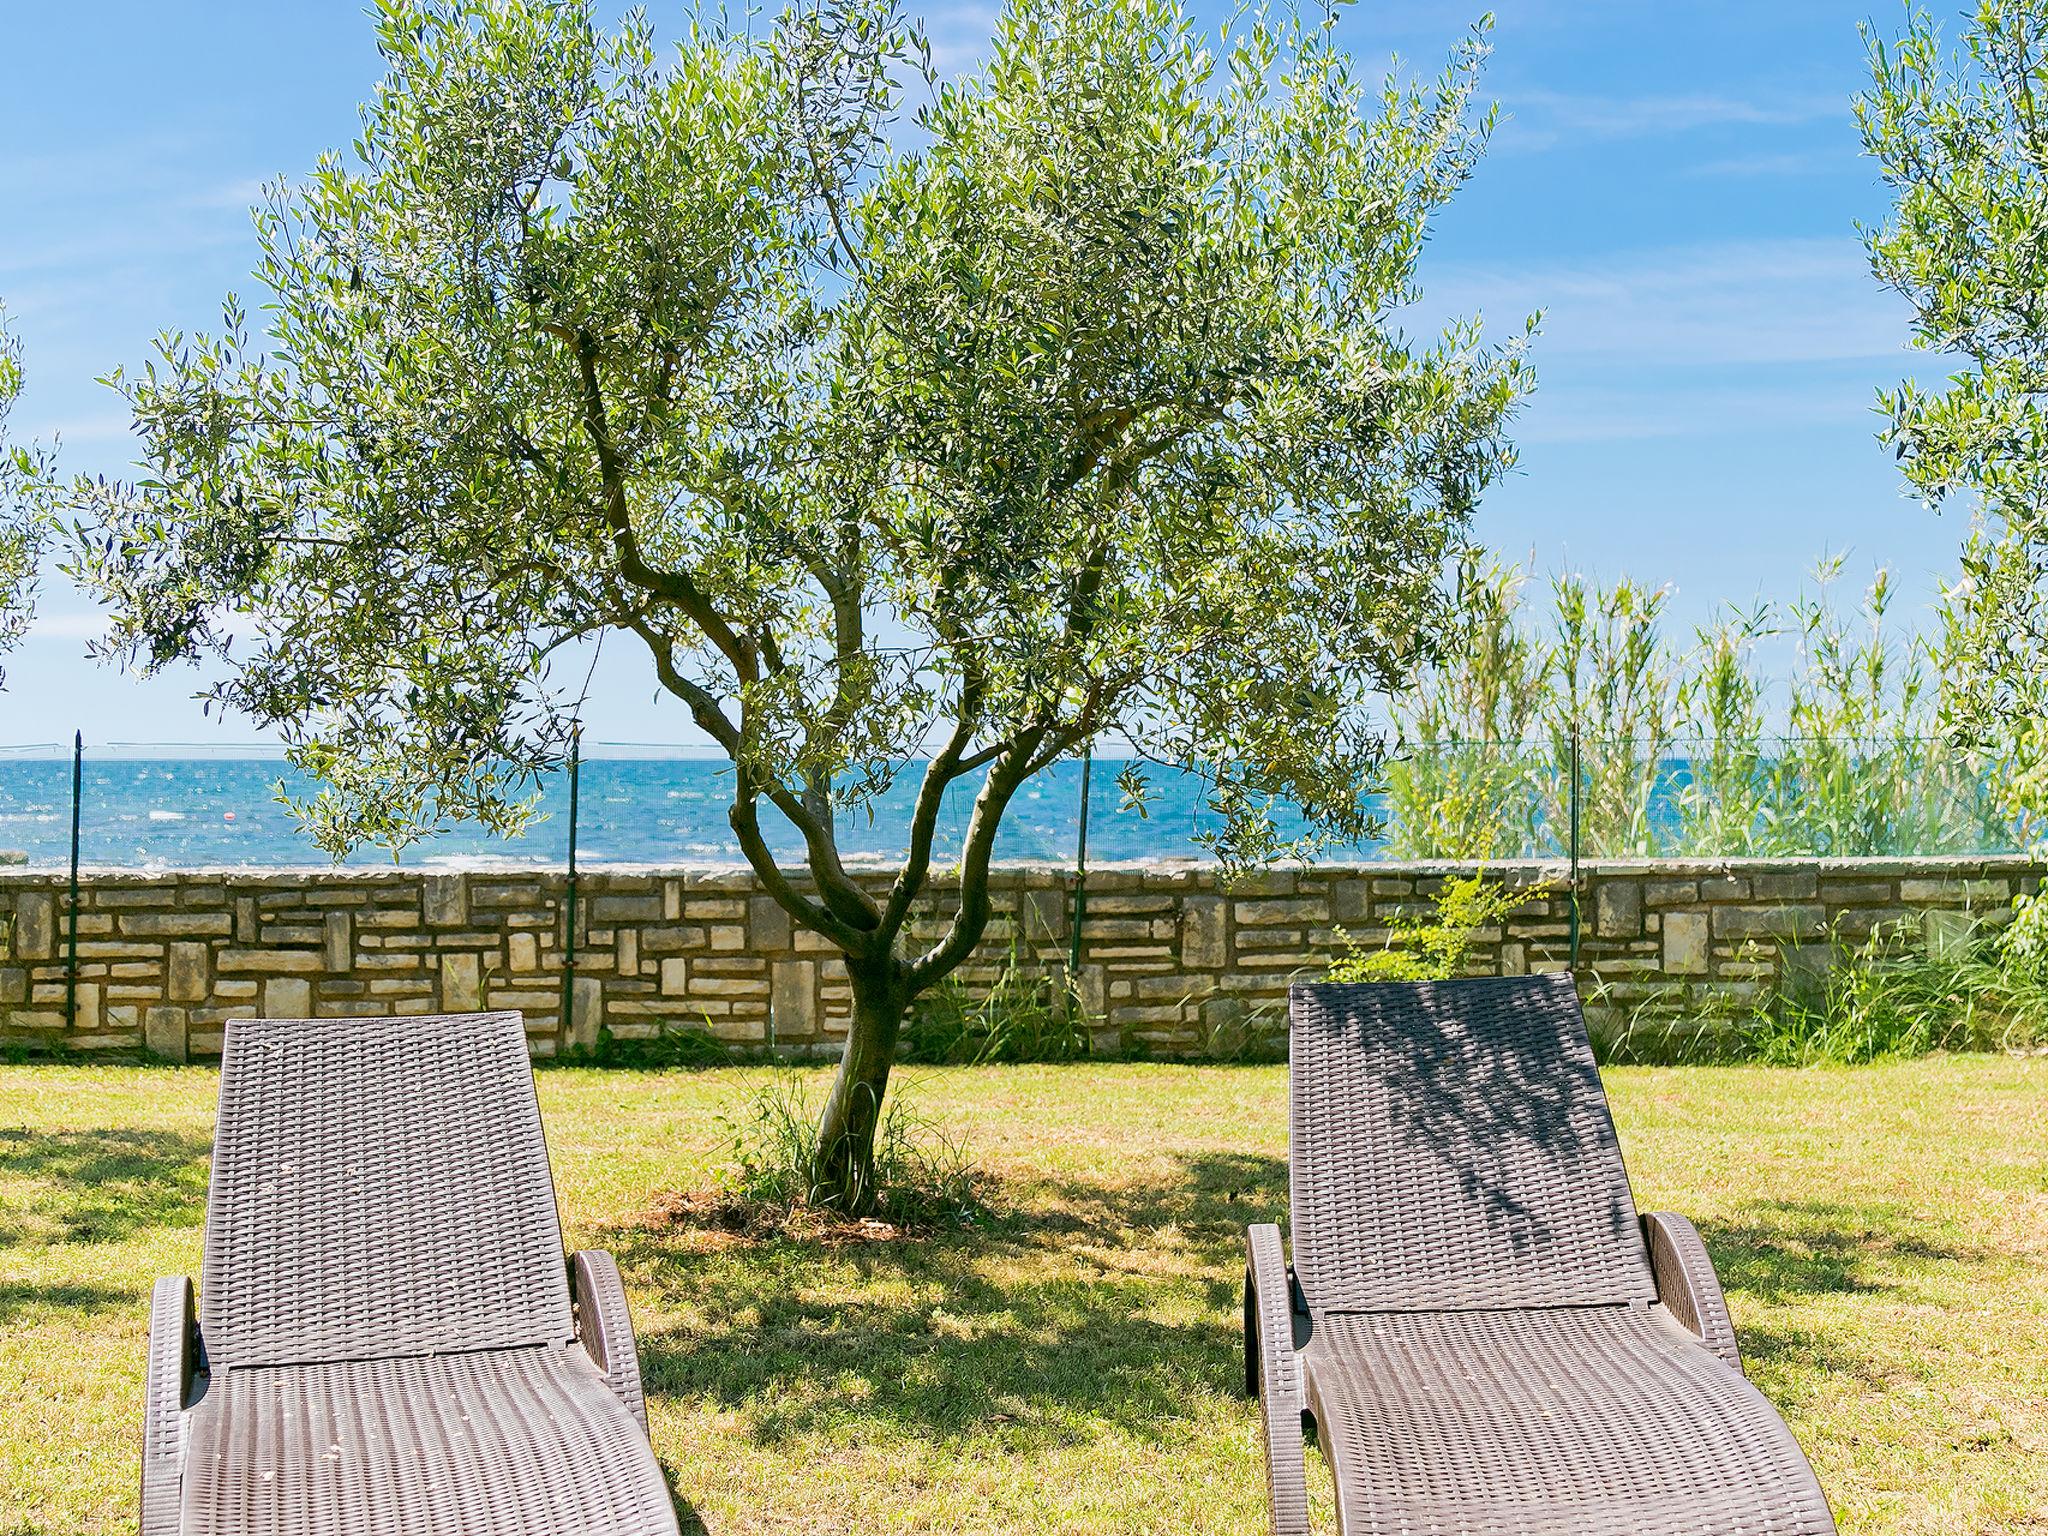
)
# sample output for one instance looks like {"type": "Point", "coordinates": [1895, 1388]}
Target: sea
{"type": "Point", "coordinates": [215, 811]}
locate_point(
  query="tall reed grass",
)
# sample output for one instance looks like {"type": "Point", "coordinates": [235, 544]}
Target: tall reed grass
{"type": "Point", "coordinates": [1686, 747]}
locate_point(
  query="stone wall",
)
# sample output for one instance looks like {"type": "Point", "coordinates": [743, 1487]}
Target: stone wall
{"type": "Point", "coordinates": [1174, 961]}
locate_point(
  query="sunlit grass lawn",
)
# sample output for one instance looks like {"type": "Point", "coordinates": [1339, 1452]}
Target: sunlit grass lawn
{"type": "Point", "coordinates": [1883, 1233]}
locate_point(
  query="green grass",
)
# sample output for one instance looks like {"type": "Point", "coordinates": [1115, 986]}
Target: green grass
{"type": "Point", "coordinates": [1883, 1233]}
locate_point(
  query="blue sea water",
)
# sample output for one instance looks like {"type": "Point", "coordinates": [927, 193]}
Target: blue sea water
{"type": "Point", "coordinates": [143, 810]}
{"type": "Point", "coordinates": [223, 812]}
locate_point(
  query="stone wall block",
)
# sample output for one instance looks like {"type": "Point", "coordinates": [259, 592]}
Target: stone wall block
{"type": "Point", "coordinates": [1618, 908]}
{"type": "Point", "coordinates": [793, 999]}
{"type": "Point", "coordinates": [287, 997]}
{"type": "Point", "coordinates": [272, 962]}
{"type": "Point", "coordinates": [770, 924]}
{"type": "Point", "coordinates": [183, 925]}
{"type": "Point", "coordinates": [1785, 885]}
{"type": "Point", "coordinates": [338, 939]}
{"type": "Point", "coordinates": [1351, 901]}
{"type": "Point", "coordinates": [461, 983]}
{"type": "Point", "coordinates": [35, 925]}
{"type": "Point", "coordinates": [586, 1012]}
{"type": "Point", "coordinates": [444, 901]}
{"type": "Point", "coordinates": [1949, 932]}
{"type": "Point", "coordinates": [1204, 933]}
{"type": "Point", "coordinates": [1798, 920]}
{"type": "Point", "coordinates": [1685, 942]}
{"type": "Point", "coordinates": [164, 1032]}
{"type": "Point", "coordinates": [1047, 915]}
{"type": "Point", "coordinates": [1224, 1032]}
{"type": "Point", "coordinates": [188, 973]}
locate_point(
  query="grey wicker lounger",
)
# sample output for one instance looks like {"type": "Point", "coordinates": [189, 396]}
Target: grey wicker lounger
{"type": "Point", "coordinates": [1485, 1338]}
{"type": "Point", "coordinates": [389, 1340]}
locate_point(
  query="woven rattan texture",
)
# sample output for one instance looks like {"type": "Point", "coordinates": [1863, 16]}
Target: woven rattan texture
{"type": "Point", "coordinates": [521, 1442]}
{"type": "Point", "coordinates": [1687, 1284]}
{"type": "Point", "coordinates": [605, 1326]}
{"type": "Point", "coordinates": [163, 1425]}
{"type": "Point", "coordinates": [380, 1187]}
{"type": "Point", "coordinates": [1605, 1421]}
{"type": "Point", "coordinates": [1271, 1340]}
{"type": "Point", "coordinates": [1451, 1147]}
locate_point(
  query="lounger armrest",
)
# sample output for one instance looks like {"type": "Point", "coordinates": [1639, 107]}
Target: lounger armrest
{"type": "Point", "coordinates": [1273, 1375]}
{"type": "Point", "coordinates": [174, 1360]}
{"type": "Point", "coordinates": [1687, 1284]}
{"type": "Point", "coordinates": [605, 1327]}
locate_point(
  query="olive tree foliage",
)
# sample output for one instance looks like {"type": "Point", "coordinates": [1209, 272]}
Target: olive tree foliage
{"type": "Point", "coordinates": [1961, 136]}
{"type": "Point", "coordinates": [24, 487]}
{"type": "Point", "coordinates": [928, 448]}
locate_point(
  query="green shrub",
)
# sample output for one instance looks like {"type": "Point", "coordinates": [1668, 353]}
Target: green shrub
{"type": "Point", "coordinates": [1026, 1016]}
{"type": "Point", "coordinates": [1887, 996]}
{"type": "Point", "coordinates": [1893, 996]}
{"type": "Point", "coordinates": [923, 1177]}
{"type": "Point", "coordinates": [685, 1045]}
{"type": "Point", "coordinates": [1435, 950]}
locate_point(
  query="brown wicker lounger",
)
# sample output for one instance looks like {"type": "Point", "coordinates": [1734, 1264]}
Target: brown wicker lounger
{"type": "Point", "coordinates": [390, 1341]}
{"type": "Point", "coordinates": [1485, 1338]}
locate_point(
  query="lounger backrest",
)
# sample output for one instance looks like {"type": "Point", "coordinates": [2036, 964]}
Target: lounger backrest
{"type": "Point", "coordinates": [380, 1188]}
{"type": "Point", "coordinates": [1451, 1149]}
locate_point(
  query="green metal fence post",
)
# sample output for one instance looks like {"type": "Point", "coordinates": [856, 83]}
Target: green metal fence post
{"type": "Point", "coordinates": [1080, 873]}
{"type": "Point", "coordinates": [71, 924]}
{"type": "Point", "coordinates": [569, 894]}
{"type": "Point", "coordinates": [1575, 847]}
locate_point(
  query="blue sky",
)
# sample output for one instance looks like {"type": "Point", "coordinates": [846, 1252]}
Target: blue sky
{"type": "Point", "coordinates": [1676, 184]}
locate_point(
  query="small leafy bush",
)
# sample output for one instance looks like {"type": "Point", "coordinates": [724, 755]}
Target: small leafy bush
{"type": "Point", "coordinates": [1435, 950]}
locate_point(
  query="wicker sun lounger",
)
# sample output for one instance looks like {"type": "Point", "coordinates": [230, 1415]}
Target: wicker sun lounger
{"type": "Point", "coordinates": [389, 1341]}
{"type": "Point", "coordinates": [1484, 1336]}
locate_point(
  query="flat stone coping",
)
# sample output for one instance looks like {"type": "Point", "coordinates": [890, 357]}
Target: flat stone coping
{"type": "Point", "coordinates": [1515, 869]}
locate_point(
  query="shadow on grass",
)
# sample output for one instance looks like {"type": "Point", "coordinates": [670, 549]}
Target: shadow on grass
{"type": "Point", "coordinates": [99, 1186]}
{"type": "Point", "coordinates": [1098, 1307]}
{"type": "Point", "coordinates": [1783, 1252]}
{"type": "Point", "coordinates": [1090, 1307]}
{"type": "Point", "coordinates": [17, 1301]}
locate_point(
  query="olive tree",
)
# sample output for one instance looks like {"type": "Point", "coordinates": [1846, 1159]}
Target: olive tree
{"type": "Point", "coordinates": [24, 483]}
{"type": "Point", "coordinates": [1961, 137]}
{"type": "Point", "coordinates": [928, 448]}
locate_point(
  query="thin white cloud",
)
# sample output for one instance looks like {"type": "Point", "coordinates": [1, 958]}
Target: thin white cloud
{"type": "Point", "coordinates": [241, 194]}
{"type": "Point", "coordinates": [1569, 411]}
{"type": "Point", "coordinates": [1538, 119]}
{"type": "Point", "coordinates": [68, 626]}
{"type": "Point", "coordinates": [959, 36]}
{"type": "Point", "coordinates": [1808, 162]}
{"type": "Point", "coordinates": [111, 427]}
{"type": "Point", "coordinates": [1737, 302]}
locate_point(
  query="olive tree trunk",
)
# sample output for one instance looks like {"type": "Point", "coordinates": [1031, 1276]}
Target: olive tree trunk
{"type": "Point", "coordinates": [843, 1159]}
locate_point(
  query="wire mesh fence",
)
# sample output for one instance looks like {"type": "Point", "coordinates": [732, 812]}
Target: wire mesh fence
{"type": "Point", "coordinates": [181, 806]}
